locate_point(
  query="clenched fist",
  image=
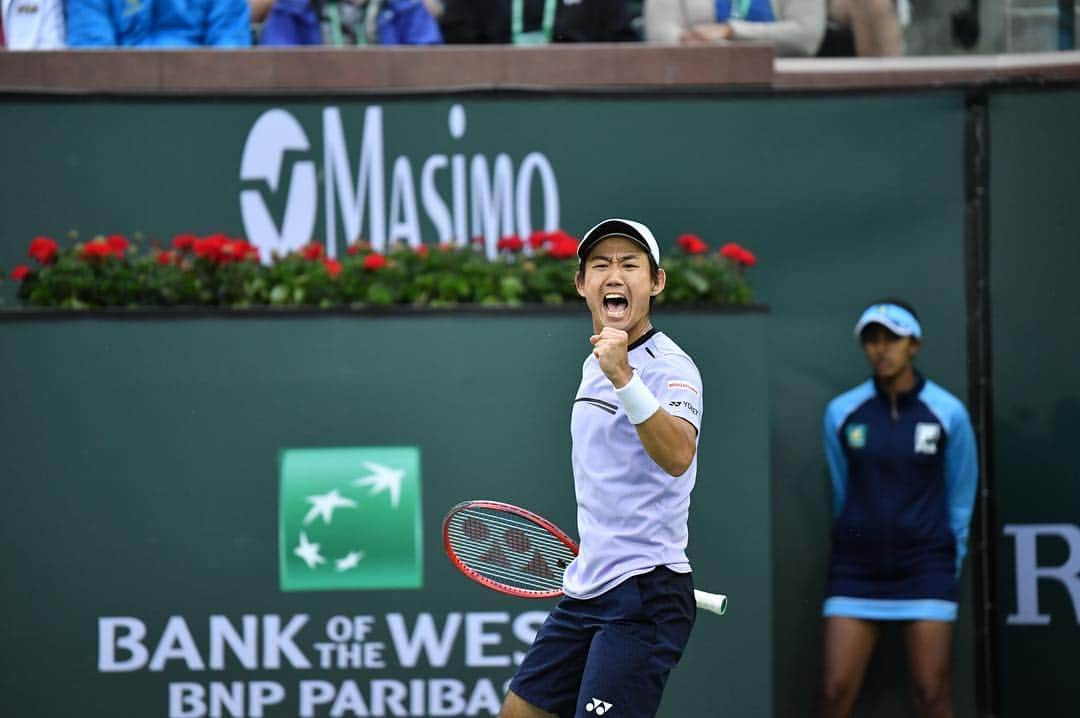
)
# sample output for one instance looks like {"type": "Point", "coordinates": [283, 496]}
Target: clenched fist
{"type": "Point", "coordinates": [609, 348]}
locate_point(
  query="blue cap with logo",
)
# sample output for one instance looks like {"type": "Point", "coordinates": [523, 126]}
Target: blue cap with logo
{"type": "Point", "coordinates": [893, 317]}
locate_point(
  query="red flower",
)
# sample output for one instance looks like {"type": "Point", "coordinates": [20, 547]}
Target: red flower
{"type": "Point", "coordinates": [184, 242]}
{"type": "Point", "coordinates": [374, 262]}
{"type": "Point", "coordinates": [97, 249]}
{"type": "Point", "coordinates": [422, 251]}
{"type": "Point", "coordinates": [20, 272]}
{"type": "Point", "coordinates": [43, 250]}
{"type": "Point", "coordinates": [538, 238]}
{"type": "Point", "coordinates": [333, 267]}
{"type": "Point", "coordinates": [510, 243]}
{"type": "Point", "coordinates": [237, 250]}
{"type": "Point", "coordinates": [250, 251]}
{"type": "Point", "coordinates": [118, 244]}
{"type": "Point", "coordinates": [166, 258]}
{"type": "Point", "coordinates": [561, 245]}
{"type": "Point", "coordinates": [738, 254]}
{"type": "Point", "coordinates": [692, 244]}
{"type": "Point", "coordinates": [311, 251]}
{"type": "Point", "coordinates": [211, 248]}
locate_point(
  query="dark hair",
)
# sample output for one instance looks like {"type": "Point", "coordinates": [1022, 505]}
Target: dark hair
{"type": "Point", "coordinates": [898, 302]}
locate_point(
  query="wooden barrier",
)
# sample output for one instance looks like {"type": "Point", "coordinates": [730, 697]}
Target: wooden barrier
{"type": "Point", "coordinates": [500, 67]}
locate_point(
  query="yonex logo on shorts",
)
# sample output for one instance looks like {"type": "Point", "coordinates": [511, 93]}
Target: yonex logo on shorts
{"type": "Point", "coordinates": [598, 706]}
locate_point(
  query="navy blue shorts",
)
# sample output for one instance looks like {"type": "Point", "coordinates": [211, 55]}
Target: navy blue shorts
{"type": "Point", "coordinates": [612, 652]}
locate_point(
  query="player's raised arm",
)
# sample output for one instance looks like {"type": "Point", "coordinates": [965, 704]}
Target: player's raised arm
{"type": "Point", "coordinates": [669, 440]}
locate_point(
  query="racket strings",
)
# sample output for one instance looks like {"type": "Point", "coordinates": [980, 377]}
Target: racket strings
{"type": "Point", "coordinates": [509, 549]}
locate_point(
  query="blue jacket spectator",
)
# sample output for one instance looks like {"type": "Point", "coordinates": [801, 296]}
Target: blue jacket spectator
{"type": "Point", "coordinates": [158, 23]}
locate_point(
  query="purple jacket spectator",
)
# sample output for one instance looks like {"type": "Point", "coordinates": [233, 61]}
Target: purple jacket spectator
{"type": "Point", "coordinates": [292, 22]}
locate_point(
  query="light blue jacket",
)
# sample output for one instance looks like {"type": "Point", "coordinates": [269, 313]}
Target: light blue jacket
{"type": "Point", "coordinates": [158, 23]}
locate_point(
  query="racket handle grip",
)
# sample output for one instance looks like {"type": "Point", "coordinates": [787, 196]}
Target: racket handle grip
{"type": "Point", "coordinates": [714, 602]}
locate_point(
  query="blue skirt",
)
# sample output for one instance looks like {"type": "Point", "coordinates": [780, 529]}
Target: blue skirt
{"type": "Point", "coordinates": [897, 583]}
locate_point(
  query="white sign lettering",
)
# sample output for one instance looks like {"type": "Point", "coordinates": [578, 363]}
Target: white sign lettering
{"type": "Point", "coordinates": [361, 646]}
{"type": "Point", "coordinates": [1029, 572]}
{"type": "Point", "coordinates": [487, 198]}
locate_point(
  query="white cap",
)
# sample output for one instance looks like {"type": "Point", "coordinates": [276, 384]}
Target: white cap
{"type": "Point", "coordinates": [615, 227]}
{"type": "Point", "coordinates": [893, 317]}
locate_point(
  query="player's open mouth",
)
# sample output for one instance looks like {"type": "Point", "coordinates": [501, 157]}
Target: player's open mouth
{"type": "Point", "coordinates": [615, 306]}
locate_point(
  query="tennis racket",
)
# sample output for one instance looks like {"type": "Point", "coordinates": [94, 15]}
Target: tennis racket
{"type": "Point", "coordinates": [514, 551]}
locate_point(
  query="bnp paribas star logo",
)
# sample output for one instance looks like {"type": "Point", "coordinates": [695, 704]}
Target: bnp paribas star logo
{"type": "Point", "coordinates": [350, 518]}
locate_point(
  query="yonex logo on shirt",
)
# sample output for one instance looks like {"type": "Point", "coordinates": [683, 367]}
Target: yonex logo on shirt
{"type": "Point", "coordinates": [685, 404]}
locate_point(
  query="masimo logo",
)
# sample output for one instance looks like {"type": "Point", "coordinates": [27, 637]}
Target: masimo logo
{"type": "Point", "coordinates": [462, 197]}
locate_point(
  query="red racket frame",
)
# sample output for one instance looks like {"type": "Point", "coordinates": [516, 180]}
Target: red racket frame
{"type": "Point", "coordinates": [525, 514]}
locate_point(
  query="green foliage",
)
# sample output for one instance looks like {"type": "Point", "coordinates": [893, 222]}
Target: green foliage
{"type": "Point", "coordinates": [222, 272]}
{"type": "Point", "coordinates": [704, 279]}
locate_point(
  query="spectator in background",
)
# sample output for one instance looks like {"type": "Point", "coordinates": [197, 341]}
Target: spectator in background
{"type": "Point", "coordinates": [404, 22]}
{"type": "Point", "coordinates": [158, 23]}
{"type": "Point", "coordinates": [381, 22]}
{"type": "Point", "coordinates": [31, 24]}
{"type": "Point", "coordinates": [795, 27]}
{"type": "Point", "coordinates": [288, 22]}
{"type": "Point", "coordinates": [533, 22]}
{"type": "Point", "coordinates": [875, 25]}
{"type": "Point", "coordinates": [258, 10]}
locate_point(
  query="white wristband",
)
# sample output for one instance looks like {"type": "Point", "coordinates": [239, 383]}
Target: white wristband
{"type": "Point", "coordinates": [637, 400]}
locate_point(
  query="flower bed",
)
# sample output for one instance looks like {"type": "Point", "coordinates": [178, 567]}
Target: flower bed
{"type": "Point", "coordinates": [216, 270]}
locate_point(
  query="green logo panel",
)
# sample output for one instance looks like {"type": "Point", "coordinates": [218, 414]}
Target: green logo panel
{"type": "Point", "coordinates": [350, 518]}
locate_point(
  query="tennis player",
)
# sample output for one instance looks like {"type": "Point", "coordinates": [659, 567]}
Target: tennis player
{"type": "Point", "coordinates": [901, 454]}
{"type": "Point", "coordinates": [609, 644]}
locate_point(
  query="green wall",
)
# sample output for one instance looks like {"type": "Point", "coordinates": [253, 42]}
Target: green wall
{"type": "Point", "coordinates": [873, 207]}
{"type": "Point", "coordinates": [141, 480]}
{"type": "Point", "coordinates": [1035, 257]}
{"type": "Point", "coordinates": [843, 197]}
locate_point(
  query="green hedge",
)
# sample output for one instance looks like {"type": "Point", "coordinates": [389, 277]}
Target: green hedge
{"type": "Point", "coordinates": [111, 271]}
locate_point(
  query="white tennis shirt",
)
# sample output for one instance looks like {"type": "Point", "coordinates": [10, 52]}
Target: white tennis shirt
{"type": "Point", "coordinates": [631, 514]}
